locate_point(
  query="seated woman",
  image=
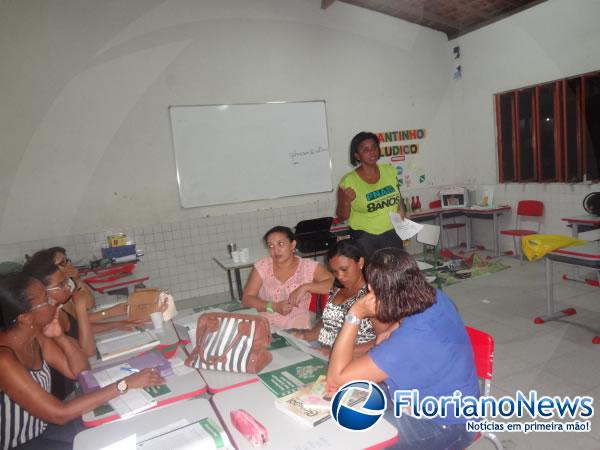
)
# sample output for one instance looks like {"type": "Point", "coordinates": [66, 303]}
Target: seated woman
{"type": "Point", "coordinates": [279, 286]}
{"type": "Point", "coordinates": [31, 341]}
{"type": "Point", "coordinates": [430, 352]}
{"type": "Point", "coordinates": [346, 261]}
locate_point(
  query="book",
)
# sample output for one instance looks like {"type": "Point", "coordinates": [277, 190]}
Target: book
{"type": "Point", "coordinates": [310, 405]}
{"type": "Point", "coordinates": [126, 345]}
{"type": "Point", "coordinates": [206, 433]}
{"type": "Point", "coordinates": [289, 379]}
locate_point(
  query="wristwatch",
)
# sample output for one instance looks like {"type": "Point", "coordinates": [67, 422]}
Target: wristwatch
{"type": "Point", "coordinates": [122, 387]}
{"type": "Point", "coordinates": [352, 319]}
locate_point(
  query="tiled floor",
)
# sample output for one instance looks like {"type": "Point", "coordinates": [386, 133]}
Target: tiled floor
{"type": "Point", "coordinates": [556, 358]}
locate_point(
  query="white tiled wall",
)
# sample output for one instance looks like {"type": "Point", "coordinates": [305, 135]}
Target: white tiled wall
{"type": "Point", "coordinates": [178, 256]}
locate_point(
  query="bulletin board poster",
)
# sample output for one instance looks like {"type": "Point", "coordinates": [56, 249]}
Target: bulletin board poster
{"type": "Point", "coordinates": [400, 148]}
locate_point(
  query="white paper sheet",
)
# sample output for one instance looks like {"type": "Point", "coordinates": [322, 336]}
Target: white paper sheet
{"type": "Point", "coordinates": [406, 228]}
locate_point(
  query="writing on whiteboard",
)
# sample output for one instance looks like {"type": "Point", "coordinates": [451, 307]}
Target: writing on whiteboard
{"type": "Point", "coordinates": [296, 156]}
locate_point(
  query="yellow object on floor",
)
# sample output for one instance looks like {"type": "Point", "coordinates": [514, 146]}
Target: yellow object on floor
{"type": "Point", "coordinates": [535, 246]}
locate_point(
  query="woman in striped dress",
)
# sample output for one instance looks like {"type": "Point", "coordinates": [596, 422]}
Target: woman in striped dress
{"type": "Point", "coordinates": [31, 340]}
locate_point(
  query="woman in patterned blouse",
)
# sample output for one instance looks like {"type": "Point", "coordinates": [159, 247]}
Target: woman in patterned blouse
{"type": "Point", "coordinates": [346, 261]}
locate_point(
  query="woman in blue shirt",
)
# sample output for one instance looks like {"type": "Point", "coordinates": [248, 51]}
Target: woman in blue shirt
{"type": "Point", "coordinates": [428, 350]}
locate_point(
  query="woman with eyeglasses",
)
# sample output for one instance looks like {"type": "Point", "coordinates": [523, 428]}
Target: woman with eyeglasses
{"type": "Point", "coordinates": [280, 285]}
{"type": "Point", "coordinates": [31, 342]}
{"type": "Point", "coordinates": [59, 255]}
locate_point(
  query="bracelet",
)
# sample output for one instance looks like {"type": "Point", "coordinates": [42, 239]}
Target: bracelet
{"type": "Point", "coordinates": [269, 307]}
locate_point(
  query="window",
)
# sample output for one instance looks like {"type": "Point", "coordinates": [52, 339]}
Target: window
{"type": "Point", "coordinates": [550, 132]}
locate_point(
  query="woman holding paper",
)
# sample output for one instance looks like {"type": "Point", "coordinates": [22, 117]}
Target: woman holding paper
{"type": "Point", "coordinates": [280, 285]}
{"type": "Point", "coordinates": [32, 341]}
{"type": "Point", "coordinates": [367, 195]}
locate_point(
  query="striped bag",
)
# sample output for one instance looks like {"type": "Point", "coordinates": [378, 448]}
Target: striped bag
{"type": "Point", "coordinates": [231, 342]}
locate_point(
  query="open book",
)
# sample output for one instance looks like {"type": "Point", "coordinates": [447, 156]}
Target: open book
{"type": "Point", "coordinates": [135, 342]}
{"type": "Point", "coordinates": [311, 405]}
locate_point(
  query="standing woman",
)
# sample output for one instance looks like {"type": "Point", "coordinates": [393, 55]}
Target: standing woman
{"type": "Point", "coordinates": [430, 352]}
{"type": "Point", "coordinates": [367, 195]}
{"type": "Point", "coordinates": [31, 341]}
{"type": "Point", "coordinates": [280, 285]}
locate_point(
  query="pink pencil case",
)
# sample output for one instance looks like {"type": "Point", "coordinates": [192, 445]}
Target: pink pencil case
{"type": "Point", "coordinates": [249, 427]}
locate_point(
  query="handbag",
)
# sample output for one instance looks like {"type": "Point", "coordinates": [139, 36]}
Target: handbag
{"type": "Point", "coordinates": [231, 342]}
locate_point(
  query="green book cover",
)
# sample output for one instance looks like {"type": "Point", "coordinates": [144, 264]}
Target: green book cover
{"type": "Point", "coordinates": [289, 379]}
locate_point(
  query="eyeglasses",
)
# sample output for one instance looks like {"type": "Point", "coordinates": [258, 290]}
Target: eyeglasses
{"type": "Point", "coordinates": [67, 283]}
{"type": "Point", "coordinates": [48, 302]}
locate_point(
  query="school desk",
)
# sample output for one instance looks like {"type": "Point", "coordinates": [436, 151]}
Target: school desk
{"type": "Point", "coordinates": [146, 425]}
{"type": "Point", "coordinates": [286, 432]}
{"type": "Point", "coordinates": [585, 255]}
{"type": "Point", "coordinates": [581, 223]}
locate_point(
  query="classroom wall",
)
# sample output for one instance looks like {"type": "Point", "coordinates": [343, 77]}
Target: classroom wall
{"type": "Point", "coordinates": [550, 41]}
{"type": "Point", "coordinates": [85, 137]}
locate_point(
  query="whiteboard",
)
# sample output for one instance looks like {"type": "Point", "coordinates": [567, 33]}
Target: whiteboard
{"type": "Point", "coordinates": [241, 152]}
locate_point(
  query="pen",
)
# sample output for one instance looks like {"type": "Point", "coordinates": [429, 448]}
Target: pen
{"type": "Point", "coordinates": [129, 369]}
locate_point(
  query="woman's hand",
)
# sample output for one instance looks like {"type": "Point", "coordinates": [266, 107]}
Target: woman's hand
{"type": "Point", "coordinates": [53, 329]}
{"type": "Point", "coordinates": [144, 378]}
{"type": "Point", "coordinates": [366, 306]}
{"type": "Point", "coordinates": [71, 271]}
{"type": "Point", "coordinates": [296, 295]}
{"type": "Point", "coordinates": [347, 194]}
{"type": "Point", "coordinates": [283, 308]}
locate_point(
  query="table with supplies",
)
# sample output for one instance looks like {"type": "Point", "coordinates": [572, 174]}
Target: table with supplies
{"type": "Point", "coordinates": [287, 432]}
{"type": "Point", "coordinates": [190, 422]}
{"type": "Point", "coordinates": [184, 382]}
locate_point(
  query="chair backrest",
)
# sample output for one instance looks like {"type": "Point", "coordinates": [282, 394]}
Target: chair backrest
{"type": "Point", "coordinates": [533, 208]}
{"type": "Point", "coordinates": [429, 235]}
{"type": "Point", "coordinates": [483, 352]}
{"type": "Point", "coordinates": [435, 204]}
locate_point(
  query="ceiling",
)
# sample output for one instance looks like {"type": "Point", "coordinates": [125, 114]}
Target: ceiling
{"type": "Point", "coordinates": [453, 17]}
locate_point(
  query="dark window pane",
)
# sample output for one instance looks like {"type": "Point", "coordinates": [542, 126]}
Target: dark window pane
{"type": "Point", "coordinates": [592, 126]}
{"type": "Point", "coordinates": [506, 126]}
{"type": "Point", "coordinates": [546, 126]}
{"type": "Point", "coordinates": [525, 121]}
{"type": "Point", "coordinates": [573, 171]}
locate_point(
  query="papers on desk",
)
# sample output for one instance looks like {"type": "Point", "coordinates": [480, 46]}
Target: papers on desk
{"type": "Point", "coordinates": [125, 344]}
{"type": "Point", "coordinates": [310, 347]}
{"type": "Point", "coordinates": [406, 228]}
{"type": "Point", "coordinates": [204, 434]}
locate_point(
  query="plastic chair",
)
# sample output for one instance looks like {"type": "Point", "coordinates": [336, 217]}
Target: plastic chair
{"type": "Point", "coordinates": [483, 354]}
{"type": "Point", "coordinates": [448, 225]}
{"type": "Point", "coordinates": [525, 208]}
{"type": "Point", "coordinates": [317, 304]}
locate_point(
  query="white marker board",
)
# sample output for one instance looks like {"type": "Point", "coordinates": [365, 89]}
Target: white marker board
{"type": "Point", "coordinates": [241, 152]}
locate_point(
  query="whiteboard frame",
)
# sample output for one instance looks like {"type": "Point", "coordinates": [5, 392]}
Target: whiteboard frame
{"type": "Point", "coordinates": [177, 169]}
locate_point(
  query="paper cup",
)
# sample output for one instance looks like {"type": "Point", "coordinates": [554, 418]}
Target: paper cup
{"type": "Point", "coordinates": [157, 320]}
{"type": "Point", "coordinates": [245, 254]}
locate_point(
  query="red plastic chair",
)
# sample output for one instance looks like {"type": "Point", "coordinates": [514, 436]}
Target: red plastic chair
{"type": "Point", "coordinates": [448, 225]}
{"type": "Point", "coordinates": [525, 208]}
{"type": "Point", "coordinates": [317, 304]}
{"type": "Point", "coordinates": [483, 353]}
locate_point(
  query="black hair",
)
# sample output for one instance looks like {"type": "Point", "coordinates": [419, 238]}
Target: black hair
{"type": "Point", "coordinates": [357, 140]}
{"type": "Point", "coordinates": [348, 248]}
{"type": "Point", "coordinates": [41, 265]}
{"type": "Point", "coordinates": [13, 297]}
{"type": "Point", "coordinates": [398, 284]}
{"type": "Point", "coordinates": [280, 229]}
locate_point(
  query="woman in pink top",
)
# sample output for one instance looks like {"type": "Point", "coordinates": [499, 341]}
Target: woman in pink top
{"type": "Point", "coordinates": [280, 285]}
